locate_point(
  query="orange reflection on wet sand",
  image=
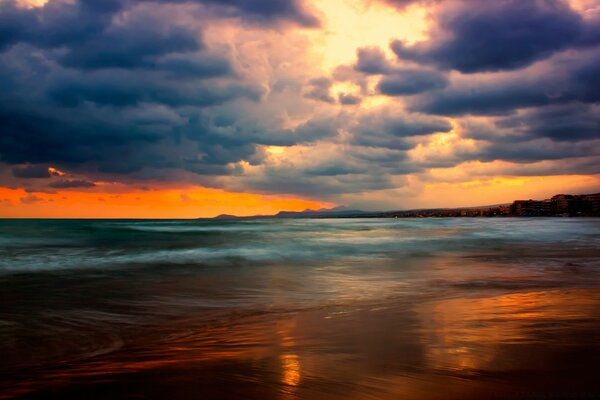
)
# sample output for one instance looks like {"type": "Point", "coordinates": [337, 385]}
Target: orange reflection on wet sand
{"type": "Point", "coordinates": [383, 352]}
{"type": "Point", "coordinates": [290, 366]}
{"type": "Point", "coordinates": [465, 334]}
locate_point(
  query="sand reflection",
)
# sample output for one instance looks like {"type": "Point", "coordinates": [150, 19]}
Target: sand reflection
{"type": "Point", "coordinates": [474, 334]}
{"type": "Point", "coordinates": [290, 365]}
{"type": "Point", "coordinates": [412, 348]}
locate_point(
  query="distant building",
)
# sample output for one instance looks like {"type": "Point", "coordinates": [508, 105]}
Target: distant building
{"type": "Point", "coordinates": [567, 204]}
{"type": "Point", "coordinates": [561, 203]}
{"type": "Point", "coordinates": [558, 205]}
{"type": "Point", "coordinates": [531, 208]}
{"type": "Point", "coordinates": [594, 202]}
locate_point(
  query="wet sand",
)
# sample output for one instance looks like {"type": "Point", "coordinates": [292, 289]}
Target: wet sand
{"type": "Point", "coordinates": [534, 344]}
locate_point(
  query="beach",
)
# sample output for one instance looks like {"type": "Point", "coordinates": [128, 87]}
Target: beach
{"type": "Point", "coordinates": [448, 308]}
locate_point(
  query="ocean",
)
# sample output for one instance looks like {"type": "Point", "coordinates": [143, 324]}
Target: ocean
{"type": "Point", "coordinates": [431, 308]}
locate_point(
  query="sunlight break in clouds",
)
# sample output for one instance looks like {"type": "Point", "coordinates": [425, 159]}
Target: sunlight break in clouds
{"type": "Point", "coordinates": [351, 24]}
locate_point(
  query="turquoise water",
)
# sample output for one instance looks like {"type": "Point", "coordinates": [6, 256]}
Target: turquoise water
{"type": "Point", "coordinates": [298, 308]}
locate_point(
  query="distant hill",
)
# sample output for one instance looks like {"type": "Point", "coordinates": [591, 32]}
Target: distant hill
{"type": "Point", "coordinates": [559, 205]}
{"type": "Point", "coordinates": [226, 216]}
{"type": "Point", "coordinates": [338, 212]}
{"type": "Point", "coordinates": [319, 213]}
{"type": "Point", "coordinates": [344, 212]}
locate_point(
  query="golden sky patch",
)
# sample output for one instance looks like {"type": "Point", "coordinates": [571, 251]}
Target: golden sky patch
{"type": "Point", "coordinates": [350, 24]}
{"type": "Point", "coordinates": [189, 202]}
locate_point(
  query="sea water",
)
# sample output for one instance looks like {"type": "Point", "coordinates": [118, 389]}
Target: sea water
{"type": "Point", "coordinates": [300, 308]}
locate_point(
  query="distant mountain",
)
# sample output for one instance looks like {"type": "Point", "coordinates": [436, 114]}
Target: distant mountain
{"type": "Point", "coordinates": [337, 212]}
{"type": "Point", "coordinates": [319, 213]}
{"type": "Point", "coordinates": [559, 205]}
{"type": "Point", "coordinates": [226, 216]}
{"type": "Point", "coordinates": [345, 212]}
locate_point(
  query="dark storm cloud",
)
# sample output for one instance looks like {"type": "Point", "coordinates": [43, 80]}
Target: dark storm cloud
{"type": "Point", "coordinates": [310, 131]}
{"type": "Point", "coordinates": [353, 170]}
{"type": "Point", "coordinates": [315, 129]}
{"type": "Point", "coordinates": [72, 184]}
{"type": "Point", "coordinates": [124, 89]}
{"type": "Point", "coordinates": [111, 98]}
{"type": "Point", "coordinates": [391, 131]}
{"type": "Point", "coordinates": [268, 10]}
{"type": "Point", "coordinates": [403, 82]}
{"type": "Point", "coordinates": [38, 138]}
{"type": "Point", "coordinates": [56, 24]}
{"type": "Point", "coordinates": [574, 166]}
{"type": "Point", "coordinates": [414, 126]}
{"type": "Point", "coordinates": [197, 66]}
{"type": "Point", "coordinates": [489, 98]}
{"type": "Point", "coordinates": [571, 79]}
{"type": "Point", "coordinates": [61, 23]}
{"type": "Point", "coordinates": [402, 4]}
{"type": "Point", "coordinates": [535, 150]}
{"type": "Point", "coordinates": [493, 36]}
{"type": "Point", "coordinates": [371, 60]}
{"type": "Point", "coordinates": [120, 140]}
{"type": "Point", "coordinates": [334, 168]}
{"type": "Point", "coordinates": [32, 172]}
{"type": "Point", "coordinates": [319, 89]}
{"type": "Point", "coordinates": [396, 80]}
{"type": "Point", "coordinates": [135, 45]}
{"type": "Point", "coordinates": [591, 34]}
{"type": "Point", "coordinates": [564, 123]}
{"type": "Point", "coordinates": [554, 132]}
{"type": "Point", "coordinates": [304, 183]}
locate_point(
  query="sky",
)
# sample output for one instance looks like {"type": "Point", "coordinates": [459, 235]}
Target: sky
{"type": "Point", "coordinates": [194, 108]}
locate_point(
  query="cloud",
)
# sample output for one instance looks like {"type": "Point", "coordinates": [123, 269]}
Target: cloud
{"type": "Point", "coordinates": [125, 89]}
{"type": "Point", "coordinates": [390, 129]}
{"type": "Point", "coordinates": [310, 183]}
{"type": "Point", "coordinates": [559, 80]}
{"type": "Point", "coordinates": [319, 89]}
{"type": "Point", "coordinates": [372, 61]}
{"type": "Point", "coordinates": [403, 82]}
{"type": "Point", "coordinates": [396, 80]}
{"type": "Point", "coordinates": [195, 66]}
{"type": "Point", "coordinates": [349, 99]}
{"type": "Point", "coordinates": [492, 36]}
{"type": "Point", "coordinates": [30, 199]}
{"type": "Point", "coordinates": [561, 123]}
{"type": "Point", "coordinates": [132, 94]}
{"type": "Point", "coordinates": [402, 4]}
{"type": "Point", "coordinates": [62, 23]}
{"type": "Point", "coordinates": [269, 10]}
{"type": "Point", "coordinates": [33, 172]}
{"type": "Point", "coordinates": [72, 184]}
{"type": "Point", "coordinates": [536, 150]}
{"type": "Point", "coordinates": [136, 44]}
{"type": "Point", "coordinates": [197, 92]}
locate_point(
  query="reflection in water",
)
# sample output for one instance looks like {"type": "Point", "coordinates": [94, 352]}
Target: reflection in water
{"type": "Point", "coordinates": [290, 366]}
{"type": "Point", "coordinates": [470, 309]}
{"type": "Point", "coordinates": [473, 334]}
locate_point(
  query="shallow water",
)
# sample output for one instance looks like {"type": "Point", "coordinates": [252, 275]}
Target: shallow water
{"type": "Point", "coordinates": [310, 309]}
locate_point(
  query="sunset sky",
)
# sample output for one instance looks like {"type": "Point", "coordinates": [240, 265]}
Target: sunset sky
{"type": "Point", "coordinates": [193, 108]}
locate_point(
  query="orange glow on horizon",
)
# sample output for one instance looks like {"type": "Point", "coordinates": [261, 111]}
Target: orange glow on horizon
{"type": "Point", "coordinates": [161, 203]}
{"type": "Point", "coordinates": [503, 189]}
